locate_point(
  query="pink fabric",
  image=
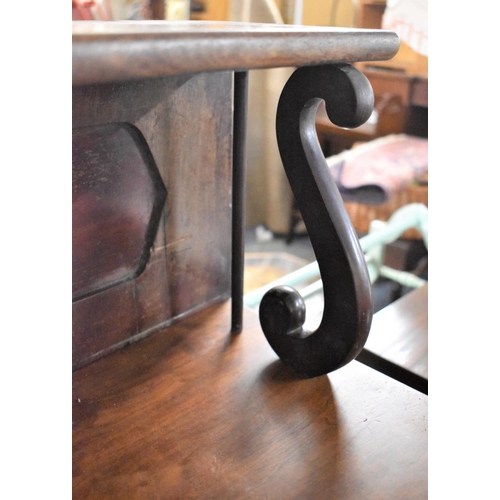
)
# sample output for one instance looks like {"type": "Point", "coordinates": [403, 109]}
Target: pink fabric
{"type": "Point", "coordinates": [372, 172]}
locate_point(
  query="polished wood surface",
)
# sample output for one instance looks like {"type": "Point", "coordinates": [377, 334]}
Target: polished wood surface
{"type": "Point", "coordinates": [104, 52]}
{"type": "Point", "coordinates": [193, 412]}
{"type": "Point", "coordinates": [141, 261]}
{"type": "Point", "coordinates": [118, 198]}
{"type": "Point", "coordinates": [346, 321]}
{"type": "Point", "coordinates": [400, 333]}
{"type": "Point", "coordinates": [167, 403]}
{"type": "Point", "coordinates": [188, 252]}
{"type": "Point", "coordinates": [398, 340]}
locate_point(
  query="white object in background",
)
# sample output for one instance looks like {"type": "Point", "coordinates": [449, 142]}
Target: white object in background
{"type": "Point", "coordinates": [177, 10]}
{"type": "Point", "coordinates": [408, 18]}
{"type": "Point", "coordinates": [262, 234]}
{"type": "Point", "coordinates": [297, 12]}
{"type": "Point", "coordinates": [129, 10]}
{"type": "Point", "coordinates": [263, 11]}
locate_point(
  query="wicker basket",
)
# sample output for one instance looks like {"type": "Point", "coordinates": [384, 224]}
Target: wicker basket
{"type": "Point", "coordinates": [361, 215]}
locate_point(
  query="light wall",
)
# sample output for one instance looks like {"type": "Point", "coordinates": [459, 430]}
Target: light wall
{"type": "Point", "coordinates": [321, 12]}
{"type": "Point", "coordinates": [315, 12]}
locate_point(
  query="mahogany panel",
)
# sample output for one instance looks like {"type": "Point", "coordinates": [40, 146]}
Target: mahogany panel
{"type": "Point", "coordinates": [193, 412]}
{"type": "Point", "coordinates": [118, 196]}
{"type": "Point", "coordinates": [103, 321]}
{"type": "Point", "coordinates": [189, 257]}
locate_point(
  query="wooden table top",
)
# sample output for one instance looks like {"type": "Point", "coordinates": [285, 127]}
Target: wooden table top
{"type": "Point", "coordinates": [124, 50]}
{"type": "Point", "coordinates": [398, 339]}
{"type": "Point", "coordinates": [399, 332]}
{"type": "Point", "coordinates": [191, 412]}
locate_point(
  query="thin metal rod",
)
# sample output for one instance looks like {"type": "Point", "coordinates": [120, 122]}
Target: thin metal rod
{"type": "Point", "coordinates": [239, 172]}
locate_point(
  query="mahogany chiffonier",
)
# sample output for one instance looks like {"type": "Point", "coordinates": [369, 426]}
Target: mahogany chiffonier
{"type": "Point", "coordinates": [179, 392]}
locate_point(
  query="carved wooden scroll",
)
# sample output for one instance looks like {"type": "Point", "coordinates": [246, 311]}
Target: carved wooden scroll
{"type": "Point", "coordinates": [348, 306]}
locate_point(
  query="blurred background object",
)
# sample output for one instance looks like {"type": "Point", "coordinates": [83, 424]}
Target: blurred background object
{"type": "Point", "coordinates": [111, 10]}
{"type": "Point", "coordinates": [408, 18]}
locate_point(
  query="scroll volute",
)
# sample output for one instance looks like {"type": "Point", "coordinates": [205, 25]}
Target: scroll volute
{"type": "Point", "coordinates": [348, 307]}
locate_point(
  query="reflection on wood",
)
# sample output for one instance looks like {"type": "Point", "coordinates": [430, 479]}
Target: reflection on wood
{"type": "Point", "coordinates": [398, 341]}
{"type": "Point", "coordinates": [189, 266]}
{"type": "Point", "coordinates": [118, 196]}
{"type": "Point", "coordinates": [194, 412]}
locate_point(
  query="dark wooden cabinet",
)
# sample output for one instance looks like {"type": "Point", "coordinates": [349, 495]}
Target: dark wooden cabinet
{"type": "Point", "coordinates": [167, 402]}
{"type": "Point", "coordinates": [153, 196]}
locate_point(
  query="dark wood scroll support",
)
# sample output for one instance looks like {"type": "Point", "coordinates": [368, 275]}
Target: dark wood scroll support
{"type": "Point", "coordinates": [348, 304]}
{"type": "Point", "coordinates": [238, 198]}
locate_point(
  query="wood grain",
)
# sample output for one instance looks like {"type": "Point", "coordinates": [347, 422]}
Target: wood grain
{"type": "Point", "coordinates": [118, 198]}
{"type": "Point", "coordinates": [346, 284]}
{"type": "Point", "coordinates": [189, 264]}
{"type": "Point", "coordinates": [185, 410]}
{"type": "Point", "coordinates": [400, 332]}
{"type": "Point", "coordinates": [191, 412]}
{"type": "Point", "coordinates": [119, 77]}
{"type": "Point", "coordinates": [105, 52]}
